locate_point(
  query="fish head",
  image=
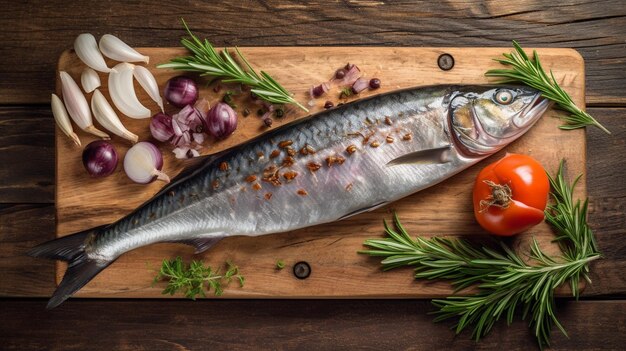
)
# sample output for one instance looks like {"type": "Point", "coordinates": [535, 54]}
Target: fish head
{"type": "Point", "coordinates": [485, 119]}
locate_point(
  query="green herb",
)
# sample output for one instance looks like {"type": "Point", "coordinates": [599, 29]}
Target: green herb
{"type": "Point", "coordinates": [280, 264]}
{"type": "Point", "coordinates": [530, 72]}
{"type": "Point", "coordinates": [206, 60]}
{"type": "Point", "coordinates": [504, 280]}
{"type": "Point", "coordinates": [345, 92]}
{"type": "Point", "coordinates": [228, 99]}
{"type": "Point", "coordinates": [193, 279]}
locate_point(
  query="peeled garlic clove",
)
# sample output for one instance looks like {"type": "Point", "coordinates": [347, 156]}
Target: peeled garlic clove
{"type": "Point", "coordinates": [90, 80]}
{"type": "Point", "coordinates": [106, 116]}
{"type": "Point", "coordinates": [87, 50]}
{"type": "Point", "coordinates": [62, 119]}
{"type": "Point", "coordinates": [114, 48]}
{"type": "Point", "coordinates": [77, 106]}
{"type": "Point", "coordinates": [123, 92]}
{"type": "Point", "coordinates": [149, 84]}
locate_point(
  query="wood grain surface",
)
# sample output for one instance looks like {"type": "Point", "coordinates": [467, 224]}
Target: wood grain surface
{"type": "Point", "coordinates": [35, 33]}
{"type": "Point", "coordinates": [445, 209]}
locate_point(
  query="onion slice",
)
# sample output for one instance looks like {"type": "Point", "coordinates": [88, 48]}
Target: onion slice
{"type": "Point", "coordinates": [149, 84]}
{"type": "Point", "coordinates": [87, 50]}
{"type": "Point", "coordinates": [77, 106]}
{"type": "Point", "coordinates": [123, 92]}
{"type": "Point", "coordinates": [143, 163]}
{"type": "Point", "coordinates": [114, 48]}
{"type": "Point", "coordinates": [62, 119]}
{"type": "Point", "coordinates": [90, 80]}
{"type": "Point", "coordinates": [106, 116]}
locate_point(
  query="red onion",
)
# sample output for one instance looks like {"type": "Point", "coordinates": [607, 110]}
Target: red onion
{"type": "Point", "coordinates": [161, 127]}
{"type": "Point", "coordinates": [351, 74]}
{"type": "Point", "coordinates": [317, 91]}
{"type": "Point", "coordinates": [221, 120]}
{"type": "Point", "coordinates": [181, 91]}
{"type": "Point", "coordinates": [100, 158]}
{"type": "Point", "coordinates": [143, 163]}
{"type": "Point", "coordinates": [360, 85]}
{"type": "Point", "coordinates": [186, 122]}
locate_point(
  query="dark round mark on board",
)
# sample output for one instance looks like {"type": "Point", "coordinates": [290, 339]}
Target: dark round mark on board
{"type": "Point", "coordinates": [445, 62]}
{"type": "Point", "coordinates": [302, 270]}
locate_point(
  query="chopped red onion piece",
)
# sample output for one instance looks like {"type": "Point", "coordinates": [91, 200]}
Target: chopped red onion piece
{"type": "Point", "coordinates": [198, 138]}
{"type": "Point", "coordinates": [317, 91]}
{"type": "Point", "coordinates": [161, 127]}
{"type": "Point", "coordinates": [180, 152]}
{"type": "Point", "coordinates": [360, 85]}
{"type": "Point", "coordinates": [352, 73]}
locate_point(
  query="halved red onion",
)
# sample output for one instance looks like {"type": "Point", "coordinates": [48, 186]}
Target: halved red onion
{"type": "Point", "coordinates": [360, 85]}
{"type": "Point", "coordinates": [143, 163]}
{"type": "Point", "coordinates": [221, 120]}
{"type": "Point", "coordinates": [161, 127]}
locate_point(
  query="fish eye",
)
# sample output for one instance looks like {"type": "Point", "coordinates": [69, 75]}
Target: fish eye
{"type": "Point", "coordinates": [504, 97]}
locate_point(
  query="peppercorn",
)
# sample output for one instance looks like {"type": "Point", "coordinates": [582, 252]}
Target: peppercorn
{"type": "Point", "coordinates": [328, 104]}
{"type": "Point", "coordinates": [374, 83]}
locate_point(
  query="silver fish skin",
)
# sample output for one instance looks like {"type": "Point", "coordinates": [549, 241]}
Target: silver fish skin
{"type": "Point", "coordinates": [324, 168]}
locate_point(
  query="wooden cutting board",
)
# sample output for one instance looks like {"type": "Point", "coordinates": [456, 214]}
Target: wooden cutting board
{"type": "Point", "coordinates": [330, 249]}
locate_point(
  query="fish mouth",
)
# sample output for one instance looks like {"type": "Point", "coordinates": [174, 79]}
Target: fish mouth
{"type": "Point", "coordinates": [532, 112]}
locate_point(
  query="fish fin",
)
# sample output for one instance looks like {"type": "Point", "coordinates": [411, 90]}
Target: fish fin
{"type": "Point", "coordinates": [364, 209]}
{"type": "Point", "coordinates": [201, 244]}
{"type": "Point", "coordinates": [80, 270]}
{"type": "Point", "coordinates": [427, 156]}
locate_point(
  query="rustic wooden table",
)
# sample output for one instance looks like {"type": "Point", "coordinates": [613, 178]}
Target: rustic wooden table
{"type": "Point", "coordinates": [35, 33]}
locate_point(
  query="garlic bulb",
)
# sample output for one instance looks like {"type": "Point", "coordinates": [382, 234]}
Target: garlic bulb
{"type": "Point", "coordinates": [106, 116]}
{"type": "Point", "coordinates": [87, 50]}
{"type": "Point", "coordinates": [77, 106]}
{"type": "Point", "coordinates": [123, 94]}
{"type": "Point", "coordinates": [149, 84]}
{"type": "Point", "coordinates": [90, 80]}
{"type": "Point", "coordinates": [62, 119]}
{"type": "Point", "coordinates": [114, 48]}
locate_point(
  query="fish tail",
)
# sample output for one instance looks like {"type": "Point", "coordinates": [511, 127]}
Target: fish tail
{"type": "Point", "coordinates": [80, 270]}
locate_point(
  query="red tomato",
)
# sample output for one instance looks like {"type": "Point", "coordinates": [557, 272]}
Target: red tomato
{"type": "Point", "coordinates": [510, 195]}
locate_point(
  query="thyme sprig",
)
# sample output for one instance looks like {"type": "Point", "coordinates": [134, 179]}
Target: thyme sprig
{"type": "Point", "coordinates": [504, 280]}
{"type": "Point", "coordinates": [208, 62]}
{"type": "Point", "coordinates": [530, 72]}
{"type": "Point", "coordinates": [193, 279]}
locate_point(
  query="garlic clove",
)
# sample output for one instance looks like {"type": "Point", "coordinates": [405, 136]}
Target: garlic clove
{"type": "Point", "coordinates": [123, 94]}
{"type": "Point", "coordinates": [90, 80]}
{"type": "Point", "coordinates": [77, 106]}
{"type": "Point", "coordinates": [87, 50]}
{"type": "Point", "coordinates": [114, 48]}
{"type": "Point", "coordinates": [149, 84]}
{"type": "Point", "coordinates": [106, 116]}
{"type": "Point", "coordinates": [62, 119]}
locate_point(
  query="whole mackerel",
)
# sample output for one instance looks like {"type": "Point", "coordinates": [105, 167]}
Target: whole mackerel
{"type": "Point", "coordinates": [324, 168]}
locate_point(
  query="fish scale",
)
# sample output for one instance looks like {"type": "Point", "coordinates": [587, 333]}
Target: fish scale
{"type": "Point", "coordinates": [355, 169]}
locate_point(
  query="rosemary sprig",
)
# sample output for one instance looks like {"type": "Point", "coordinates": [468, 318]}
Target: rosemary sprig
{"type": "Point", "coordinates": [530, 72]}
{"type": "Point", "coordinates": [206, 60]}
{"type": "Point", "coordinates": [504, 280]}
{"type": "Point", "coordinates": [192, 279]}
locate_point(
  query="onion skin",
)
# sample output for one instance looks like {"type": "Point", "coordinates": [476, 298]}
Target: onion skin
{"type": "Point", "coordinates": [221, 120]}
{"type": "Point", "coordinates": [161, 127]}
{"type": "Point", "coordinates": [100, 158]}
{"type": "Point", "coordinates": [181, 91]}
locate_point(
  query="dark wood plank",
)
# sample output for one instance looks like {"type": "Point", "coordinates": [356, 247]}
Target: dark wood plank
{"type": "Point", "coordinates": [606, 170]}
{"type": "Point", "coordinates": [26, 155]}
{"type": "Point", "coordinates": [35, 33]}
{"type": "Point", "coordinates": [21, 228]}
{"type": "Point", "coordinates": [284, 324]}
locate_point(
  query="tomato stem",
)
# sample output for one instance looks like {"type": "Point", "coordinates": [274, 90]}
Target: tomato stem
{"type": "Point", "coordinates": [501, 196]}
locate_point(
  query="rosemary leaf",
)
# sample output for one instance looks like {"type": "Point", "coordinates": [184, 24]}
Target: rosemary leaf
{"type": "Point", "coordinates": [530, 72]}
{"type": "Point", "coordinates": [208, 62]}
